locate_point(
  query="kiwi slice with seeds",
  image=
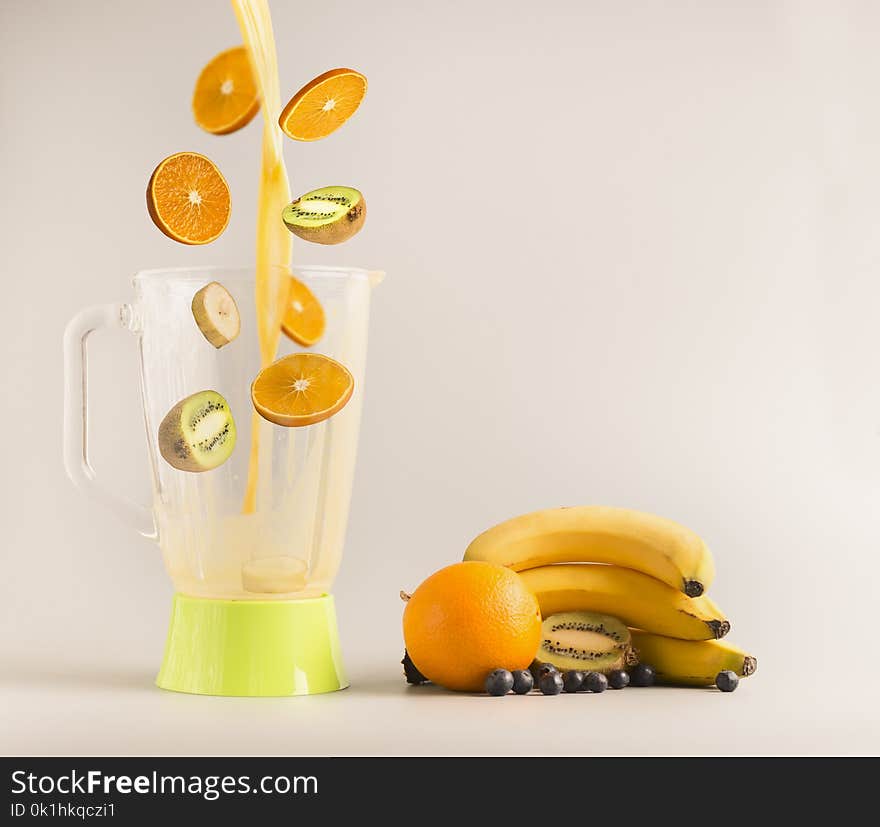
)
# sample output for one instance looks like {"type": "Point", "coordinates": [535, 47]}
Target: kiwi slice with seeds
{"type": "Point", "coordinates": [587, 641]}
{"type": "Point", "coordinates": [198, 433]}
{"type": "Point", "coordinates": [329, 215]}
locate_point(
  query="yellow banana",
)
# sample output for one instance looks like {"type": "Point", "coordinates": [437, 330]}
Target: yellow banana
{"type": "Point", "coordinates": [600, 534]}
{"type": "Point", "coordinates": [633, 597]}
{"type": "Point", "coordinates": [691, 662]}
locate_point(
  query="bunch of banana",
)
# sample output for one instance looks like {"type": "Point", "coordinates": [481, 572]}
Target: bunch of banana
{"type": "Point", "coordinates": [648, 571]}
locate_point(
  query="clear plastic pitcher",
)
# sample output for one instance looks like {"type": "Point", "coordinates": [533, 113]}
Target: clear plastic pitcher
{"type": "Point", "coordinates": [286, 551]}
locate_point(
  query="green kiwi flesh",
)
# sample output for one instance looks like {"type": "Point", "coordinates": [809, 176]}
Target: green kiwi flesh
{"type": "Point", "coordinates": [329, 215]}
{"type": "Point", "coordinates": [586, 641]}
{"type": "Point", "coordinates": [198, 433]}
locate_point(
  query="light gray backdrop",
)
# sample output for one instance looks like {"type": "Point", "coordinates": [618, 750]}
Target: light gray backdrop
{"type": "Point", "coordinates": [632, 259]}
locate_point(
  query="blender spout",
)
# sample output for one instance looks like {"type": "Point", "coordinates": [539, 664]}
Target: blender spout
{"type": "Point", "coordinates": [376, 277]}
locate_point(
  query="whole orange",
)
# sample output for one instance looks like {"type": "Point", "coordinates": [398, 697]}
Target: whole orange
{"type": "Point", "coordinates": [468, 619]}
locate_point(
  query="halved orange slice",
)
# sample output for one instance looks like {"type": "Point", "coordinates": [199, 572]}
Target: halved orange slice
{"type": "Point", "coordinates": [188, 198]}
{"type": "Point", "coordinates": [323, 105]}
{"type": "Point", "coordinates": [303, 319]}
{"type": "Point", "coordinates": [301, 389]}
{"type": "Point", "coordinates": [226, 98]}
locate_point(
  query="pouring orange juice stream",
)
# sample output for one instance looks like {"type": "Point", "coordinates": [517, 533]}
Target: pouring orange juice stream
{"type": "Point", "coordinates": [273, 239]}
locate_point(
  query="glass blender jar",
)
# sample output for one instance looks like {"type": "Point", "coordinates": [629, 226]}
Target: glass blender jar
{"type": "Point", "coordinates": [252, 614]}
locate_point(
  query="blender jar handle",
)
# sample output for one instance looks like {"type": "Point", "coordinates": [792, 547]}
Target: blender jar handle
{"type": "Point", "coordinates": [76, 412]}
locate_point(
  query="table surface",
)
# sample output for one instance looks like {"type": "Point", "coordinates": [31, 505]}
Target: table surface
{"type": "Point", "coordinates": [59, 706]}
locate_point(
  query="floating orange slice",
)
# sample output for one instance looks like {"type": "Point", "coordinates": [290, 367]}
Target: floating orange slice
{"type": "Point", "coordinates": [226, 98]}
{"type": "Point", "coordinates": [301, 389]}
{"type": "Point", "coordinates": [323, 105]}
{"type": "Point", "coordinates": [304, 317]}
{"type": "Point", "coordinates": [188, 198]}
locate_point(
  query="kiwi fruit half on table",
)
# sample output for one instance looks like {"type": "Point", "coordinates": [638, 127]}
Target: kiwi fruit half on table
{"type": "Point", "coordinates": [198, 433]}
{"type": "Point", "coordinates": [329, 215]}
{"type": "Point", "coordinates": [586, 641]}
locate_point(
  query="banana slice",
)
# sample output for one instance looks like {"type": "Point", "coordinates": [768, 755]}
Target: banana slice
{"type": "Point", "coordinates": [216, 314]}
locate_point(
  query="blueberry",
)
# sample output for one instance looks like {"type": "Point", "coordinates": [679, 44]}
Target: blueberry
{"type": "Point", "coordinates": [499, 682]}
{"type": "Point", "coordinates": [538, 669]}
{"type": "Point", "coordinates": [412, 674]}
{"type": "Point", "coordinates": [573, 681]}
{"type": "Point", "coordinates": [726, 681]}
{"type": "Point", "coordinates": [595, 682]}
{"type": "Point", "coordinates": [642, 675]}
{"type": "Point", "coordinates": [523, 682]}
{"type": "Point", "coordinates": [618, 679]}
{"type": "Point", "coordinates": [550, 683]}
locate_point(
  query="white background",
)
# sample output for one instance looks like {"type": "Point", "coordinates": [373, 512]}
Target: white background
{"type": "Point", "coordinates": [632, 259]}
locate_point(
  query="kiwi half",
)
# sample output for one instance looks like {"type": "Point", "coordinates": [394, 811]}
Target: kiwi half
{"type": "Point", "coordinates": [198, 433]}
{"type": "Point", "coordinates": [329, 215]}
{"type": "Point", "coordinates": [587, 641]}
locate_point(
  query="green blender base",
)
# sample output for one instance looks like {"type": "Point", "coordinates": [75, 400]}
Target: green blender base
{"type": "Point", "coordinates": [253, 648]}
